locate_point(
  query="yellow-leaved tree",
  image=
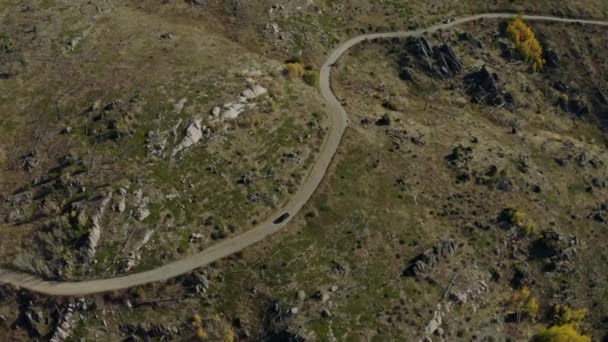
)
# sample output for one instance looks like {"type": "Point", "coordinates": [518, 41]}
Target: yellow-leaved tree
{"type": "Point", "coordinates": [526, 43]}
{"type": "Point", "coordinates": [566, 326]}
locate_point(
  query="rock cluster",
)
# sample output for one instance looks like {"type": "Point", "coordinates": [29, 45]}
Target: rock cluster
{"type": "Point", "coordinates": [424, 262]}
{"type": "Point", "coordinates": [148, 332]}
{"type": "Point", "coordinates": [232, 110]}
{"type": "Point", "coordinates": [483, 86]}
{"type": "Point", "coordinates": [600, 213]}
{"type": "Point", "coordinates": [459, 160]}
{"type": "Point", "coordinates": [197, 282]}
{"type": "Point", "coordinates": [142, 211]}
{"type": "Point", "coordinates": [66, 321]}
{"type": "Point", "coordinates": [559, 252]}
{"type": "Point", "coordinates": [438, 61]}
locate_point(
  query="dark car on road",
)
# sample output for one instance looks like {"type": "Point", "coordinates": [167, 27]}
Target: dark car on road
{"type": "Point", "coordinates": [281, 218]}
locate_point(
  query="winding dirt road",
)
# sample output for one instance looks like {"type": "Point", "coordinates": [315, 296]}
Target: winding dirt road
{"type": "Point", "coordinates": [338, 118]}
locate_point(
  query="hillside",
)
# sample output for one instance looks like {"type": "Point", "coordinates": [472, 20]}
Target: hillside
{"type": "Point", "coordinates": [466, 200]}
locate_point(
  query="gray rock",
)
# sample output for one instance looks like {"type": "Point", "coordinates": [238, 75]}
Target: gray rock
{"type": "Point", "coordinates": [142, 213]}
{"type": "Point", "coordinates": [216, 111]}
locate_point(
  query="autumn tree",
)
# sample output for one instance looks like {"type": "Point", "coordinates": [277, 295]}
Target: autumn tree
{"type": "Point", "coordinates": [526, 43]}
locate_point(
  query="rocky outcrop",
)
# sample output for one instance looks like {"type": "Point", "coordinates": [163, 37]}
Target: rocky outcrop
{"type": "Point", "coordinates": [95, 233]}
{"type": "Point", "coordinates": [447, 63]}
{"type": "Point", "coordinates": [483, 86]}
{"type": "Point", "coordinates": [194, 133]}
{"type": "Point", "coordinates": [575, 106]}
{"type": "Point", "coordinates": [424, 262]}
{"type": "Point", "coordinates": [197, 282]}
{"type": "Point", "coordinates": [438, 61]}
{"type": "Point", "coordinates": [558, 252]}
{"type": "Point", "coordinates": [233, 109]}
{"type": "Point", "coordinates": [134, 257]}
{"type": "Point", "coordinates": [64, 327]}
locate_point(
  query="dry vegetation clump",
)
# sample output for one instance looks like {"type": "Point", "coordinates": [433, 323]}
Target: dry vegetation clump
{"type": "Point", "coordinates": [526, 43]}
{"type": "Point", "coordinates": [295, 70]}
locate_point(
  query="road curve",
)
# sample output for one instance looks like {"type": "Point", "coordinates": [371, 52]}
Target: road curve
{"type": "Point", "coordinates": [338, 123]}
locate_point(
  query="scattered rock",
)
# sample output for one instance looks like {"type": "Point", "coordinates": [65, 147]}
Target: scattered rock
{"type": "Point", "coordinates": [385, 120]}
{"type": "Point", "coordinates": [468, 37]}
{"type": "Point", "coordinates": [156, 144]}
{"type": "Point", "coordinates": [552, 58]}
{"type": "Point", "coordinates": [424, 262]}
{"type": "Point", "coordinates": [247, 179]}
{"type": "Point", "coordinates": [322, 296]}
{"type": "Point", "coordinates": [600, 213]}
{"type": "Point", "coordinates": [325, 313]}
{"type": "Point", "coordinates": [199, 3]}
{"type": "Point", "coordinates": [459, 160]}
{"type": "Point", "coordinates": [148, 332]}
{"type": "Point", "coordinates": [179, 105]}
{"type": "Point", "coordinates": [29, 161]}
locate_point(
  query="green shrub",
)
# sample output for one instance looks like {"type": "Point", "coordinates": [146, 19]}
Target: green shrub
{"type": "Point", "coordinates": [517, 218]}
{"type": "Point", "coordinates": [311, 78]}
{"type": "Point", "coordinates": [297, 59]}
